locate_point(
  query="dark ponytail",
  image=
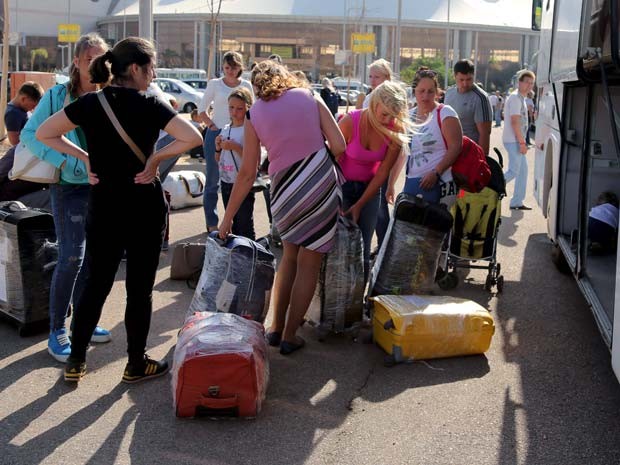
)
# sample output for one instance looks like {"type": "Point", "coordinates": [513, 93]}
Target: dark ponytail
{"type": "Point", "coordinates": [100, 70]}
{"type": "Point", "coordinates": [116, 62]}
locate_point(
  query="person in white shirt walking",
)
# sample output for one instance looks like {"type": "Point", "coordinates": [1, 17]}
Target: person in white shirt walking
{"type": "Point", "coordinates": [515, 129]}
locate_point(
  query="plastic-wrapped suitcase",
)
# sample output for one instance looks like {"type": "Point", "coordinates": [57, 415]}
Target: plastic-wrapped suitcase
{"type": "Point", "coordinates": [220, 367]}
{"type": "Point", "coordinates": [338, 302]}
{"type": "Point", "coordinates": [414, 327]}
{"type": "Point", "coordinates": [237, 276]}
{"type": "Point", "coordinates": [408, 258]}
{"type": "Point", "coordinates": [28, 255]}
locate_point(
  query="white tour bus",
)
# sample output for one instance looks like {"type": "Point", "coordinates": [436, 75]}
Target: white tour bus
{"type": "Point", "coordinates": [578, 143]}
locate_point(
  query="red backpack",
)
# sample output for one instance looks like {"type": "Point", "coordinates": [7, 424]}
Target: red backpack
{"type": "Point", "coordinates": [470, 171]}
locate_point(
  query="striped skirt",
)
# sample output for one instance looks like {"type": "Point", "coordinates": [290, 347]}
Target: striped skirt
{"type": "Point", "coordinates": [305, 202]}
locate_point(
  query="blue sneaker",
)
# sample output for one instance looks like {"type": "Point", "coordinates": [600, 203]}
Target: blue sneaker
{"type": "Point", "coordinates": [59, 345]}
{"type": "Point", "coordinates": [101, 335]}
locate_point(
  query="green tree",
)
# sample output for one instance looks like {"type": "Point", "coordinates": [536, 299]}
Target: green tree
{"type": "Point", "coordinates": [37, 53]}
{"type": "Point", "coordinates": [437, 64]}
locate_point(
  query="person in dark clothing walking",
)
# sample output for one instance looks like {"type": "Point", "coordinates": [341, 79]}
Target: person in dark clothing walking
{"type": "Point", "coordinates": [126, 209]}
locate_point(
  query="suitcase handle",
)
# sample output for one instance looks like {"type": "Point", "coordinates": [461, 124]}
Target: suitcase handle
{"type": "Point", "coordinates": [219, 403]}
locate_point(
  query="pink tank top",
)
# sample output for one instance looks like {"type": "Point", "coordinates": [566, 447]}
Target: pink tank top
{"type": "Point", "coordinates": [357, 162]}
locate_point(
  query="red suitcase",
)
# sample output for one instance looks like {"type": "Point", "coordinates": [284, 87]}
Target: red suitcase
{"type": "Point", "coordinates": [220, 367]}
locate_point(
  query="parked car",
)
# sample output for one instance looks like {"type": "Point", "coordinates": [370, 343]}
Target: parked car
{"type": "Point", "coordinates": [187, 97]}
{"type": "Point", "coordinates": [198, 84]}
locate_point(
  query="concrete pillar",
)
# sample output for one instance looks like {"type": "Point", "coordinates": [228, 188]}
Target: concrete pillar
{"type": "Point", "coordinates": [383, 42]}
{"type": "Point", "coordinates": [525, 52]}
{"type": "Point", "coordinates": [145, 19]}
{"type": "Point", "coordinates": [456, 46]}
{"type": "Point", "coordinates": [466, 51]}
{"type": "Point", "coordinates": [202, 51]}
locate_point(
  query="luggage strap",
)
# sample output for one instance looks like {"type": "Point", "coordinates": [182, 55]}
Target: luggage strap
{"type": "Point", "coordinates": [188, 188]}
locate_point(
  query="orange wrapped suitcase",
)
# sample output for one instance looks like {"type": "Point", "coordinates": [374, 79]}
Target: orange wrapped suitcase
{"type": "Point", "coordinates": [220, 367]}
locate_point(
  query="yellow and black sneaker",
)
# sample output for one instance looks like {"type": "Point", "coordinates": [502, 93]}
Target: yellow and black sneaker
{"type": "Point", "coordinates": [148, 369]}
{"type": "Point", "coordinates": [74, 370]}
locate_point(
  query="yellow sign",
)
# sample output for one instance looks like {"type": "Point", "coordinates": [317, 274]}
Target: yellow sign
{"type": "Point", "coordinates": [68, 32]}
{"type": "Point", "coordinates": [285, 51]}
{"type": "Point", "coordinates": [363, 43]}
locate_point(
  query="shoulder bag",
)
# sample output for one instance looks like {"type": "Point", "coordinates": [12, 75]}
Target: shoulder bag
{"type": "Point", "coordinates": [28, 167]}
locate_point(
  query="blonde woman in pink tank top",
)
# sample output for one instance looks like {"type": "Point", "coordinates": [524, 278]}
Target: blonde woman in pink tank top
{"type": "Point", "coordinates": [374, 136]}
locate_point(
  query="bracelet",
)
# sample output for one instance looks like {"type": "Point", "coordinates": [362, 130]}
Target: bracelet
{"type": "Point", "coordinates": [437, 173]}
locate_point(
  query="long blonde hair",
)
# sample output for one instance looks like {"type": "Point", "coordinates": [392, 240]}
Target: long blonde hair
{"type": "Point", "coordinates": [394, 99]}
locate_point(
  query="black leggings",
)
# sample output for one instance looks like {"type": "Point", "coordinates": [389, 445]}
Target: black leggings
{"type": "Point", "coordinates": [132, 219]}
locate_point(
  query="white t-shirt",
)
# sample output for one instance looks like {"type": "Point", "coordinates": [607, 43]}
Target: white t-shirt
{"type": "Point", "coordinates": [228, 158]}
{"type": "Point", "coordinates": [216, 95]}
{"type": "Point", "coordinates": [427, 145]}
{"type": "Point", "coordinates": [515, 105]}
{"type": "Point", "coordinates": [493, 100]}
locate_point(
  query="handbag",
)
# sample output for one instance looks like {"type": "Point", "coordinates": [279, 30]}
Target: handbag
{"type": "Point", "coordinates": [28, 167]}
{"type": "Point", "coordinates": [187, 261]}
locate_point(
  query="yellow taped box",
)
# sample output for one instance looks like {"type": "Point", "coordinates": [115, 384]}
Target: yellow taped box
{"type": "Point", "coordinates": [415, 327]}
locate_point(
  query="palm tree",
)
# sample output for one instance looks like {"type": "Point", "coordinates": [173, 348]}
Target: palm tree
{"type": "Point", "coordinates": [37, 52]}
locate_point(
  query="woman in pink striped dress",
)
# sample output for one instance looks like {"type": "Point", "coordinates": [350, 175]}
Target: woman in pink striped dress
{"type": "Point", "coordinates": [305, 191]}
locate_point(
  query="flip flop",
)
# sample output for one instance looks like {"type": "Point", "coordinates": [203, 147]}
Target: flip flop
{"type": "Point", "coordinates": [287, 348]}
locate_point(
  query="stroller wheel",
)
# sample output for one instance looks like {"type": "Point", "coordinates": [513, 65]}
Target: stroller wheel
{"type": "Point", "coordinates": [488, 284]}
{"type": "Point", "coordinates": [500, 284]}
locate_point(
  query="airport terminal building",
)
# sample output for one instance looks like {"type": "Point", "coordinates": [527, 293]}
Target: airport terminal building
{"type": "Point", "coordinates": [308, 34]}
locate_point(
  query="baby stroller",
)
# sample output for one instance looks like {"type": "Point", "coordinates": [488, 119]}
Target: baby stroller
{"type": "Point", "coordinates": [477, 218]}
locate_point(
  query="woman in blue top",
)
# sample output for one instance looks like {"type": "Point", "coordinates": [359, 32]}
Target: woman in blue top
{"type": "Point", "coordinates": [69, 198]}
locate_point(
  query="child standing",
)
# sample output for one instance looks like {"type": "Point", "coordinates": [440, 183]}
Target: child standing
{"type": "Point", "coordinates": [228, 153]}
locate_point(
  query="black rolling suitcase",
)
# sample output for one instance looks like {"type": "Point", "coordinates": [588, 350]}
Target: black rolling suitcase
{"type": "Point", "coordinates": [28, 255]}
{"type": "Point", "coordinates": [408, 258]}
{"type": "Point", "coordinates": [237, 277]}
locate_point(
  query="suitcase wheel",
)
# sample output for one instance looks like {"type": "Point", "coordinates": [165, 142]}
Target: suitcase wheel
{"type": "Point", "coordinates": [389, 361]}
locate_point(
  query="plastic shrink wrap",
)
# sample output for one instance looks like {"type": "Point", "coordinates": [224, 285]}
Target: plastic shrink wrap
{"type": "Point", "coordinates": [408, 258]}
{"type": "Point", "coordinates": [338, 302]}
{"type": "Point", "coordinates": [414, 327]}
{"type": "Point", "coordinates": [28, 255]}
{"type": "Point", "coordinates": [220, 367]}
{"type": "Point", "coordinates": [407, 263]}
{"type": "Point", "coordinates": [236, 277]}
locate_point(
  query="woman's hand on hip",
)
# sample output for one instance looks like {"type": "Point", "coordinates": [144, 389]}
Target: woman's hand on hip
{"type": "Point", "coordinates": [92, 177]}
{"type": "Point", "coordinates": [148, 174]}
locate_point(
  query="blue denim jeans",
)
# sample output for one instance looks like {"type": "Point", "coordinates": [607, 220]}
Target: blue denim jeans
{"type": "Point", "coordinates": [517, 170]}
{"type": "Point", "coordinates": [212, 172]}
{"type": "Point", "coordinates": [69, 207]}
{"type": "Point", "coordinates": [351, 192]}
{"type": "Point", "coordinates": [412, 187]}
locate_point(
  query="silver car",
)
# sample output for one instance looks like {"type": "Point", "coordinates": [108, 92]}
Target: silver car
{"type": "Point", "coordinates": [187, 97]}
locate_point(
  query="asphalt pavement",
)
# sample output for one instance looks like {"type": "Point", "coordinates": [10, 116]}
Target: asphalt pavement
{"type": "Point", "coordinates": [543, 394]}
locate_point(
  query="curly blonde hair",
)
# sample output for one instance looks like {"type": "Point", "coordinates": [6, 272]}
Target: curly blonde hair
{"type": "Point", "coordinates": [394, 98]}
{"type": "Point", "coordinates": [270, 80]}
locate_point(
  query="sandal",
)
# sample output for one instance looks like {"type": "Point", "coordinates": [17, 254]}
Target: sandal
{"type": "Point", "coordinates": [273, 338]}
{"type": "Point", "coordinates": [287, 348]}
